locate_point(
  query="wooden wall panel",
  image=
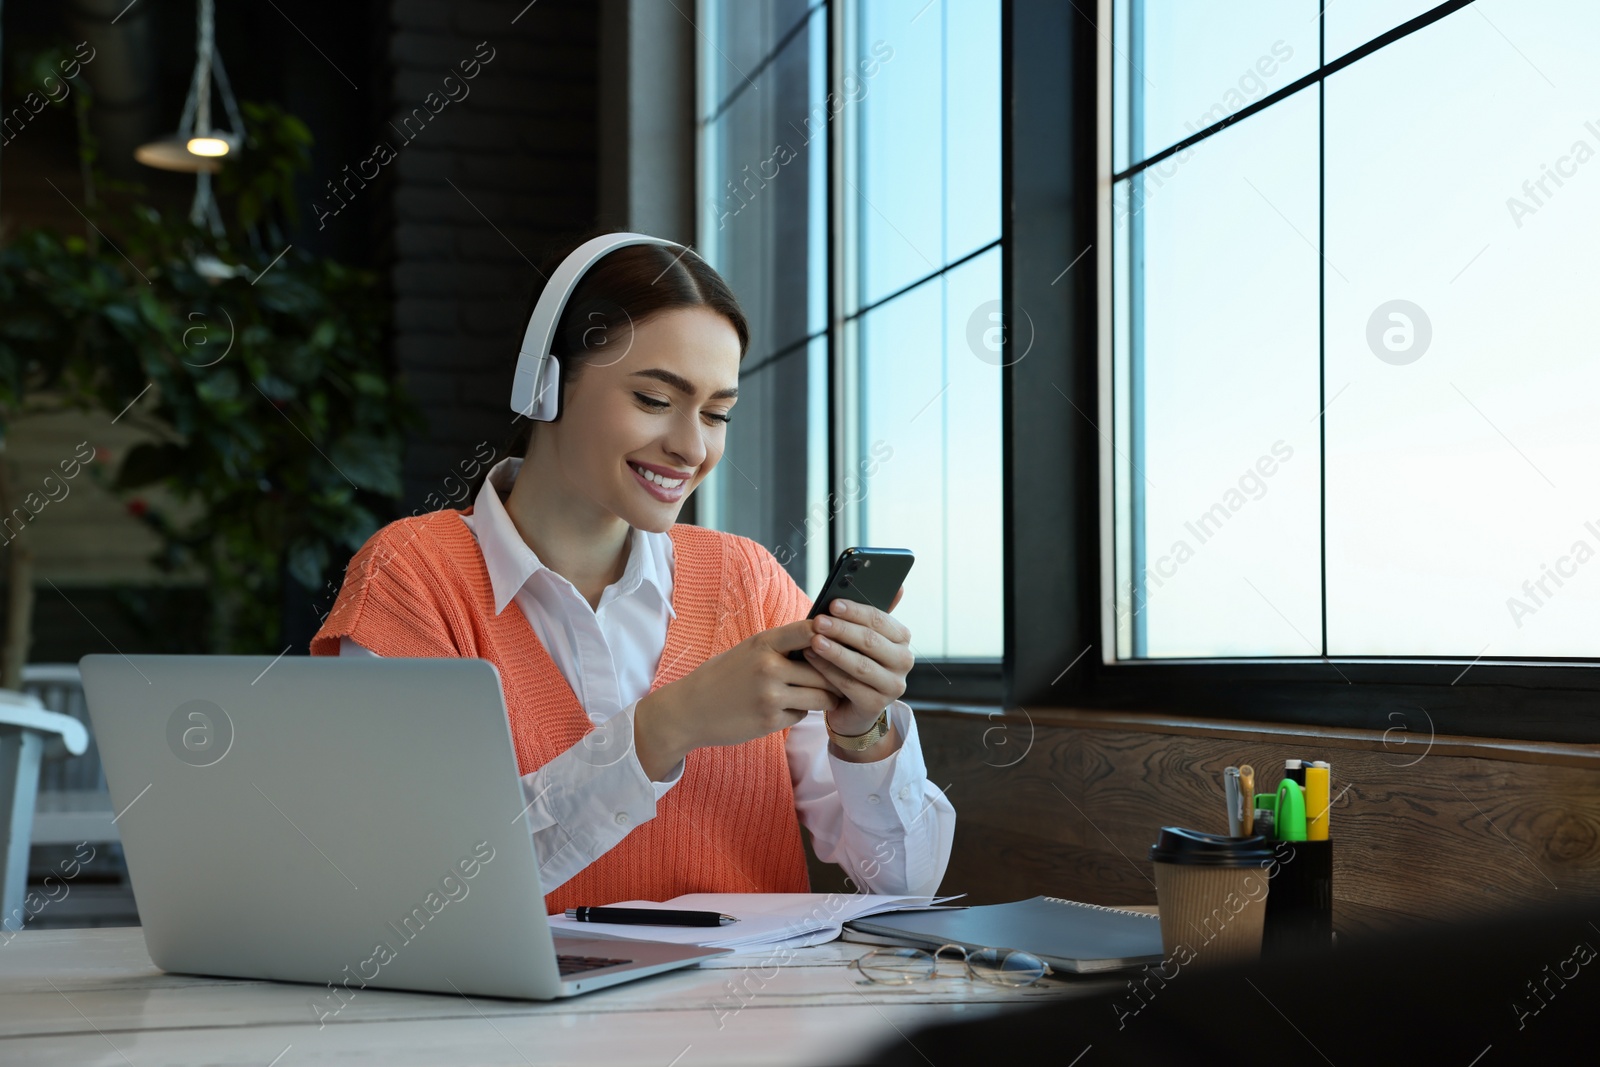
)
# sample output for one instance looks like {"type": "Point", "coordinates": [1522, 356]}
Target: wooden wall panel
{"type": "Point", "coordinates": [1068, 802]}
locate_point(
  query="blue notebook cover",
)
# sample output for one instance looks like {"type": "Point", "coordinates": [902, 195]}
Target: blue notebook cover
{"type": "Point", "coordinates": [1066, 934]}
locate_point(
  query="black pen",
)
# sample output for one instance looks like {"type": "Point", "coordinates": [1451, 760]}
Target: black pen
{"type": "Point", "coordinates": [649, 917]}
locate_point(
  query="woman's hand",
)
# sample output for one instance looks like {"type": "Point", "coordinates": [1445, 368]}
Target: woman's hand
{"type": "Point", "coordinates": [865, 655]}
{"type": "Point", "coordinates": [749, 691]}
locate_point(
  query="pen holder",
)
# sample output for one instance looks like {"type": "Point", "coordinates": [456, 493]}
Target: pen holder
{"type": "Point", "coordinates": [1300, 900]}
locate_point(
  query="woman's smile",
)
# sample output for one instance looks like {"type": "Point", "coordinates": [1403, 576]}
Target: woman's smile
{"type": "Point", "coordinates": [664, 483]}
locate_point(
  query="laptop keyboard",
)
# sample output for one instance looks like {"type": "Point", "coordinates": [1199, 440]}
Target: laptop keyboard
{"type": "Point", "coordinates": [578, 964]}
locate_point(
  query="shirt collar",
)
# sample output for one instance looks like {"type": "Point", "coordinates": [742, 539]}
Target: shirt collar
{"type": "Point", "coordinates": [511, 563]}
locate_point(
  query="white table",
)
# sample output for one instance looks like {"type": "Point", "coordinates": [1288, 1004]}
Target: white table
{"type": "Point", "coordinates": [85, 997]}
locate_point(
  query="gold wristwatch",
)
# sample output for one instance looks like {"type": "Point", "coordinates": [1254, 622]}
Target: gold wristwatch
{"type": "Point", "coordinates": [861, 742]}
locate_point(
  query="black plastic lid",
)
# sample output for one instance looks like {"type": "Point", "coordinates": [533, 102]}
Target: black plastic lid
{"type": "Point", "coordinates": [1193, 848]}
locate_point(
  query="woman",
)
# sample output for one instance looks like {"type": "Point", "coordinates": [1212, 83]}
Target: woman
{"type": "Point", "coordinates": [661, 730]}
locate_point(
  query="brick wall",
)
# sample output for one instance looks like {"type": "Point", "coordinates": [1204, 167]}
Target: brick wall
{"type": "Point", "coordinates": [477, 192]}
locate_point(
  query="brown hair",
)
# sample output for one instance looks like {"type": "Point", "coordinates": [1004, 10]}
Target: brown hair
{"type": "Point", "coordinates": [625, 288]}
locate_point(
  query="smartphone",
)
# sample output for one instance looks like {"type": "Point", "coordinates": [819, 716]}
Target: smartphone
{"type": "Point", "coordinates": [865, 576]}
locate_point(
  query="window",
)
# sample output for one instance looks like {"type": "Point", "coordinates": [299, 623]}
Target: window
{"type": "Point", "coordinates": [1352, 384]}
{"type": "Point", "coordinates": [763, 218]}
{"type": "Point", "coordinates": [850, 171]}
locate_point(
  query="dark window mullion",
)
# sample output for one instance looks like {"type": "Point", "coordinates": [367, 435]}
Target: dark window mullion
{"type": "Point", "coordinates": [924, 280]}
{"type": "Point", "coordinates": [766, 61]}
{"type": "Point", "coordinates": [1322, 312]}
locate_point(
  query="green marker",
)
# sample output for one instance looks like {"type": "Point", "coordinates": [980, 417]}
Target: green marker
{"type": "Point", "coordinates": [1291, 815]}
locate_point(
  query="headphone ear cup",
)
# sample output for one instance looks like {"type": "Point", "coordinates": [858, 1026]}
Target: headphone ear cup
{"type": "Point", "coordinates": [536, 382]}
{"type": "Point", "coordinates": [547, 401]}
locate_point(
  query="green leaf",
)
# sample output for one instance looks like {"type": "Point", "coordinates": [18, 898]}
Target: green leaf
{"type": "Point", "coordinates": [218, 388]}
{"type": "Point", "coordinates": [370, 384]}
{"type": "Point", "coordinates": [122, 315]}
{"type": "Point", "coordinates": [360, 524]}
{"type": "Point", "coordinates": [371, 462]}
{"type": "Point", "coordinates": [307, 561]}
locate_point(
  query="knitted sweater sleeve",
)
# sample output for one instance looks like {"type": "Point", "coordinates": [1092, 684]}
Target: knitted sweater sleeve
{"type": "Point", "coordinates": [389, 602]}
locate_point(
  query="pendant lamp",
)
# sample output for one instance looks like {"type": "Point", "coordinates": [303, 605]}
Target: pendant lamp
{"type": "Point", "coordinates": [198, 147]}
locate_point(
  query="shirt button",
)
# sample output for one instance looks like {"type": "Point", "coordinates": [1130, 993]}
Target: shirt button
{"type": "Point", "coordinates": [873, 798]}
{"type": "Point", "coordinates": [905, 793]}
{"type": "Point", "coordinates": [622, 818]}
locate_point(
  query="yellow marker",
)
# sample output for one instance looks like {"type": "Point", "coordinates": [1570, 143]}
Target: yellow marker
{"type": "Point", "coordinates": [1317, 780]}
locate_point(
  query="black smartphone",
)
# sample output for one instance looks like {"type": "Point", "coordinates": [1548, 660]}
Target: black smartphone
{"type": "Point", "coordinates": [865, 576]}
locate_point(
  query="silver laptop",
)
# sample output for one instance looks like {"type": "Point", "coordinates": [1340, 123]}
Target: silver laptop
{"type": "Point", "coordinates": [350, 822]}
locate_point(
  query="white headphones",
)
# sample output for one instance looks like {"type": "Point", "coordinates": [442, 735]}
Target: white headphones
{"type": "Point", "coordinates": [536, 386]}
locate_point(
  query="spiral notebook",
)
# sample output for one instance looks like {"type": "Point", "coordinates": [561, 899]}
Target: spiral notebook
{"type": "Point", "coordinates": [1066, 934]}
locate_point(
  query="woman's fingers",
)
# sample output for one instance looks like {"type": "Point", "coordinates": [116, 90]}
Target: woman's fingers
{"type": "Point", "coordinates": [804, 699]}
{"type": "Point", "coordinates": [790, 637]}
{"type": "Point", "coordinates": [867, 615]}
{"type": "Point", "coordinates": [868, 641]}
{"type": "Point", "coordinates": [866, 686]}
{"type": "Point", "coordinates": [865, 653]}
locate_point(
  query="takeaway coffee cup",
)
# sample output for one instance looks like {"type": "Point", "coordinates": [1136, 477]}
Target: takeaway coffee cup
{"type": "Point", "coordinates": [1212, 894]}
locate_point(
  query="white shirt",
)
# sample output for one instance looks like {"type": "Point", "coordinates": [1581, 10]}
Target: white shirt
{"type": "Point", "coordinates": [888, 826]}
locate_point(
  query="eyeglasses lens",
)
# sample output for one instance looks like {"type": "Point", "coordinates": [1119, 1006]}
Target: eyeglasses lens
{"type": "Point", "coordinates": [896, 965]}
{"type": "Point", "coordinates": [1006, 968]}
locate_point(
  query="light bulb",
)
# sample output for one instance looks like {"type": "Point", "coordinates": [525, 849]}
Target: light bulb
{"type": "Point", "coordinates": [209, 146]}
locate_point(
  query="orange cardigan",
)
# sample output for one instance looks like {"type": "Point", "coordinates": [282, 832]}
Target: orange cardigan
{"type": "Point", "coordinates": [419, 587]}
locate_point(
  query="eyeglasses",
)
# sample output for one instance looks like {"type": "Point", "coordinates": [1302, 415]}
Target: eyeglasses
{"type": "Point", "coordinates": [998, 966]}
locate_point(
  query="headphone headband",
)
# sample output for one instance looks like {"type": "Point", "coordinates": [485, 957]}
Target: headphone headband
{"type": "Point", "coordinates": [536, 385]}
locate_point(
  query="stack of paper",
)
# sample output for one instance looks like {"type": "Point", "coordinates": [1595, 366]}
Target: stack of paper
{"type": "Point", "coordinates": [764, 918]}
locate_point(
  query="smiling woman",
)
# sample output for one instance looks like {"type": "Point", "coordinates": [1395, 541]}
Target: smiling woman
{"type": "Point", "coordinates": [666, 742]}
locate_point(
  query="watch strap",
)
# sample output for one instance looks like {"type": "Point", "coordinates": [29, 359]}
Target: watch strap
{"type": "Point", "coordinates": [862, 741]}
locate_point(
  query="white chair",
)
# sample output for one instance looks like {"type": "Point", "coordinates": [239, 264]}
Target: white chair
{"type": "Point", "coordinates": [28, 733]}
{"type": "Point", "coordinates": [74, 809]}
{"type": "Point", "coordinates": [74, 805]}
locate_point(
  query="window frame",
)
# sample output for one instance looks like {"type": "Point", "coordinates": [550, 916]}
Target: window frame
{"type": "Point", "coordinates": [932, 680]}
{"type": "Point", "coordinates": [1057, 173]}
{"type": "Point", "coordinates": [948, 679]}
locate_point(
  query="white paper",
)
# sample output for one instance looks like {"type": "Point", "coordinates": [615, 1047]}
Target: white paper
{"type": "Point", "coordinates": [764, 918]}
